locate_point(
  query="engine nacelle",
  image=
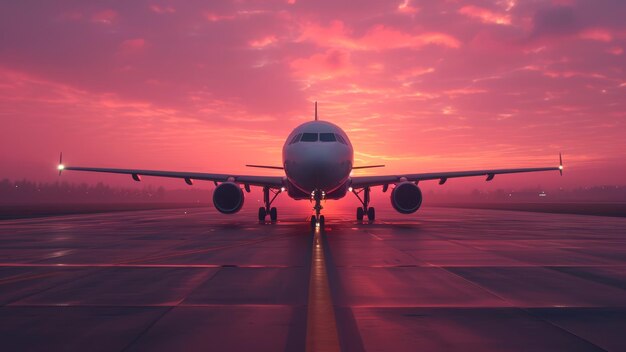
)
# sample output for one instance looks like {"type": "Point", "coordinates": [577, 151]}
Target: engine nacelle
{"type": "Point", "coordinates": [406, 197]}
{"type": "Point", "coordinates": [228, 198]}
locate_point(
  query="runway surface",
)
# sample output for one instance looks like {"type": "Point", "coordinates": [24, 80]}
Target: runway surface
{"type": "Point", "coordinates": [442, 279]}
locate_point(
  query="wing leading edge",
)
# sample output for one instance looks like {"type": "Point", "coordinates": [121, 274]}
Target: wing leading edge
{"type": "Point", "coordinates": [251, 180]}
{"type": "Point", "coordinates": [370, 181]}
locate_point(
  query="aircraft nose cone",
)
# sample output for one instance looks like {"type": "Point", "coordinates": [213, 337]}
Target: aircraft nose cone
{"type": "Point", "coordinates": [325, 170]}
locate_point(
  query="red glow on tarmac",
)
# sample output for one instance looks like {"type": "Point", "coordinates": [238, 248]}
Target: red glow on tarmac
{"type": "Point", "coordinates": [210, 87]}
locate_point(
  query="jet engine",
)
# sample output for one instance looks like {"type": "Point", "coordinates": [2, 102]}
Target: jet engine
{"type": "Point", "coordinates": [406, 197]}
{"type": "Point", "coordinates": [228, 198]}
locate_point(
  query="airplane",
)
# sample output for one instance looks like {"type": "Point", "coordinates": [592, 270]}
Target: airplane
{"type": "Point", "coordinates": [317, 163]}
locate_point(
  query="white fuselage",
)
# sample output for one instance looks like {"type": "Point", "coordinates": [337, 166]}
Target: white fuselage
{"type": "Point", "coordinates": [318, 156]}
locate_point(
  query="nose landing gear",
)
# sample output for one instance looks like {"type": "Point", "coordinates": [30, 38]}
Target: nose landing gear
{"type": "Point", "coordinates": [365, 209]}
{"type": "Point", "coordinates": [268, 209]}
{"type": "Point", "coordinates": [317, 219]}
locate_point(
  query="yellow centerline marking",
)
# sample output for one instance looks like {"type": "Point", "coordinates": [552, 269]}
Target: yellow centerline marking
{"type": "Point", "coordinates": [321, 330]}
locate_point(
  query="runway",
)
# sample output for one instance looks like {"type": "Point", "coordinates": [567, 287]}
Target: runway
{"type": "Point", "coordinates": [442, 279]}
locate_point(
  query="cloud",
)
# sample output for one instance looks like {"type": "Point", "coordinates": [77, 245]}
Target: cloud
{"type": "Point", "coordinates": [214, 17]}
{"type": "Point", "coordinates": [162, 9]}
{"type": "Point", "coordinates": [379, 37]}
{"type": "Point", "coordinates": [263, 42]}
{"type": "Point", "coordinates": [598, 34]}
{"type": "Point", "coordinates": [464, 91]}
{"type": "Point", "coordinates": [130, 46]}
{"type": "Point", "coordinates": [485, 15]}
{"type": "Point", "coordinates": [507, 4]}
{"type": "Point", "coordinates": [72, 15]}
{"type": "Point", "coordinates": [383, 37]}
{"type": "Point", "coordinates": [327, 65]}
{"type": "Point", "coordinates": [615, 50]}
{"type": "Point", "coordinates": [104, 17]}
{"type": "Point", "coordinates": [406, 7]}
{"type": "Point", "coordinates": [555, 20]}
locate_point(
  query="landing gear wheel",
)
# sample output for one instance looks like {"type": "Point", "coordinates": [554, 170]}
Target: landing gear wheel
{"type": "Point", "coordinates": [371, 214]}
{"type": "Point", "coordinates": [313, 221]}
{"type": "Point", "coordinates": [322, 222]}
{"type": "Point", "coordinates": [359, 213]}
{"type": "Point", "coordinates": [267, 201]}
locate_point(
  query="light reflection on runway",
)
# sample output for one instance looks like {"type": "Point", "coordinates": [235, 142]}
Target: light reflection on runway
{"type": "Point", "coordinates": [321, 326]}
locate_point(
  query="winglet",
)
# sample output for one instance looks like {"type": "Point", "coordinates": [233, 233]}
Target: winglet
{"type": "Point", "coordinates": [60, 167]}
{"type": "Point", "coordinates": [315, 111]}
{"type": "Point", "coordinates": [560, 164]}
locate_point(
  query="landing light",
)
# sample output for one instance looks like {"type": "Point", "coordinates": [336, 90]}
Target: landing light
{"type": "Point", "coordinates": [349, 189]}
{"type": "Point", "coordinates": [282, 189]}
{"type": "Point", "coordinates": [61, 167]}
{"type": "Point", "coordinates": [560, 167]}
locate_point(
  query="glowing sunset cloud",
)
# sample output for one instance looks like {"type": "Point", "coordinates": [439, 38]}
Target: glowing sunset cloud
{"type": "Point", "coordinates": [211, 86]}
{"type": "Point", "coordinates": [485, 15]}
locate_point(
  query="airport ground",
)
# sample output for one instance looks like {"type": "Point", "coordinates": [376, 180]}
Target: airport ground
{"type": "Point", "coordinates": [38, 209]}
{"type": "Point", "coordinates": [443, 279]}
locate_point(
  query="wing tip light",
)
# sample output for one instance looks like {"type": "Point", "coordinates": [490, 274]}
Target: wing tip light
{"type": "Point", "coordinates": [60, 166]}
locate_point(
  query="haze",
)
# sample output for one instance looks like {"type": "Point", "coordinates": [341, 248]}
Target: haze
{"type": "Point", "coordinates": [418, 85]}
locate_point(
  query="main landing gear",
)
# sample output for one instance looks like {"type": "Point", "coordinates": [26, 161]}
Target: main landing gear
{"type": "Point", "coordinates": [268, 209]}
{"type": "Point", "coordinates": [317, 219]}
{"type": "Point", "coordinates": [364, 209]}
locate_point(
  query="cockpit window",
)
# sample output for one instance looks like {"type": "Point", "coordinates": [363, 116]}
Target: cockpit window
{"type": "Point", "coordinates": [309, 137]}
{"type": "Point", "coordinates": [327, 137]}
{"type": "Point", "coordinates": [295, 138]}
{"type": "Point", "coordinates": [340, 139]}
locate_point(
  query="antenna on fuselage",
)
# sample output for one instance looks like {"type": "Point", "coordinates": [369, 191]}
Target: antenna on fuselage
{"type": "Point", "coordinates": [315, 111]}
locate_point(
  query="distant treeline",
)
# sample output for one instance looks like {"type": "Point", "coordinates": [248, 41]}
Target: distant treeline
{"type": "Point", "coordinates": [581, 194]}
{"type": "Point", "coordinates": [24, 191]}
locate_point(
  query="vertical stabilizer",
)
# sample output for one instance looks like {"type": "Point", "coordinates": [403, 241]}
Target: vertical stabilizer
{"type": "Point", "coordinates": [315, 111]}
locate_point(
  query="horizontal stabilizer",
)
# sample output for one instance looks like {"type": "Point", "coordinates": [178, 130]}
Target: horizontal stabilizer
{"type": "Point", "coordinates": [266, 167]}
{"type": "Point", "coordinates": [366, 167]}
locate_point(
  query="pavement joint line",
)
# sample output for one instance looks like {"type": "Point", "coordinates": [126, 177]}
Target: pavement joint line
{"type": "Point", "coordinates": [145, 331]}
{"type": "Point", "coordinates": [15, 300]}
{"type": "Point", "coordinates": [18, 278]}
{"type": "Point", "coordinates": [253, 266]}
{"type": "Point", "coordinates": [204, 250]}
{"type": "Point", "coordinates": [178, 303]}
{"type": "Point", "coordinates": [523, 309]}
{"type": "Point", "coordinates": [539, 317]}
{"type": "Point", "coordinates": [118, 265]}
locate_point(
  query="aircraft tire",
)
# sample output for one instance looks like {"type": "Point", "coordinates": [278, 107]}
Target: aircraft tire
{"type": "Point", "coordinates": [359, 213]}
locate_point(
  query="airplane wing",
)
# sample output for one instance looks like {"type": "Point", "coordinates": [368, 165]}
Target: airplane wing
{"type": "Point", "coordinates": [263, 181]}
{"type": "Point", "coordinates": [370, 181]}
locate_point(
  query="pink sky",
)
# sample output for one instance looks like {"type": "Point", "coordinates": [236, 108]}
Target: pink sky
{"type": "Point", "coordinates": [212, 85]}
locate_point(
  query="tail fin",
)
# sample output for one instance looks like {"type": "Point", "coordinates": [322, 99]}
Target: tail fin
{"type": "Point", "coordinates": [315, 111]}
